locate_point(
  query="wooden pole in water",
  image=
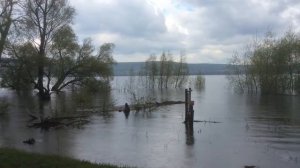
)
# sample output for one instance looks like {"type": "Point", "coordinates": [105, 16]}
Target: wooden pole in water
{"type": "Point", "coordinates": [186, 105]}
{"type": "Point", "coordinates": [191, 109]}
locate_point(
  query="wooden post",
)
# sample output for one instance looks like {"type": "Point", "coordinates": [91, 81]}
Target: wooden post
{"type": "Point", "coordinates": [189, 103]}
{"type": "Point", "coordinates": [189, 110]}
{"type": "Point", "coordinates": [186, 105]}
{"type": "Point", "coordinates": [189, 117]}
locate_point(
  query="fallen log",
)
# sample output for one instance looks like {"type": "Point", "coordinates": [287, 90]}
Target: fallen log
{"type": "Point", "coordinates": [57, 122]}
{"type": "Point", "coordinates": [29, 141]}
{"type": "Point", "coordinates": [135, 107]}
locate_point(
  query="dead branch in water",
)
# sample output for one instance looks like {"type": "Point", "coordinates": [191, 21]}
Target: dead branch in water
{"type": "Point", "coordinates": [58, 122]}
{"type": "Point", "coordinates": [204, 121]}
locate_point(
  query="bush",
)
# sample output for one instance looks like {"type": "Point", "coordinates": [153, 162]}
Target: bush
{"type": "Point", "coordinates": [199, 82]}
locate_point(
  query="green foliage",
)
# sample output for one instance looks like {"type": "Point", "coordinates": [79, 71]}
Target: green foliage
{"type": "Point", "coordinates": [22, 69]}
{"type": "Point", "coordinates": [67, 63]}
{"type": "Point", "coordinates": [46, 54]}
{"type": "Point", "coordinates": [11, 158]}
{"type": "Point", "coordinates": [83, 98]}
{"type": "Point", "coordinates": [199, 82]}
{"type": "Point", "coordinates": [297, 83]}
{"type": "Point", "coordinates": [165, 72]}
{"type": "Point", "coordinates": [269, 66]}
{"type": "Point", "coordinates": [94, 85]}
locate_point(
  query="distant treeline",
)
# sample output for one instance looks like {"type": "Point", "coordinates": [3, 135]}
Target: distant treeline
{"type": "Point", "coordinates": [124, 68]}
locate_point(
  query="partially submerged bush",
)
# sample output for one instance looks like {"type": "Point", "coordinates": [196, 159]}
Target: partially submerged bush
{"type": "Point", "coordinates": [199, 82]}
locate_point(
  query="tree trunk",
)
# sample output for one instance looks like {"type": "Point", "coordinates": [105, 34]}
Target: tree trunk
{"type": "Point", "coordinates": [43, 93]}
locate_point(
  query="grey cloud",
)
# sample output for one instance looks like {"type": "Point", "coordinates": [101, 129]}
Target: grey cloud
{"type": "Point", "coordinates": [224, 19]}
{"type": "Point", "coordinates": [130, 18]}
{"type": "Point", "coordinates": [165, 42]}
{"type": "Point", "coordinates": [218, 23]}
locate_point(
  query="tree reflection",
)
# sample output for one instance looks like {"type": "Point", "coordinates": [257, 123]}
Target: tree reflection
{"type": "Point", "coordinates": [189, 132]}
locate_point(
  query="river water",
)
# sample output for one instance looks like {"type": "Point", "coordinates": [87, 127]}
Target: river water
{"type": "Point", "coordinates": [262, 131]}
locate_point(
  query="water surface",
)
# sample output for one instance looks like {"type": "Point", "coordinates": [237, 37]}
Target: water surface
{"type": "Point", "coordinates": [263, 131]}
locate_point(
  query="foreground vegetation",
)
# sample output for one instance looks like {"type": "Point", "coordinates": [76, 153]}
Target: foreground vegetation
{"type": "Point", "coordinates": [11, 158]}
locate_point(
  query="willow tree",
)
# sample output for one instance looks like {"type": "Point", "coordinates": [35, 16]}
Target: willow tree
{"type": "Point", "coordinates": [49, 57]}
{"type": "Point", "coordinates": [43, 19]}
{"type": "Point", "coordinates": [74, 64]}
{"type": "Point", "coordinates": [67, 63]}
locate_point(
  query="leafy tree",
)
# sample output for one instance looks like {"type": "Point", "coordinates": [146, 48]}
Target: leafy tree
{"type": "Point", "coordinates": [21, 71]}
{"type": "Point", "coordinates": [270, 65]}
{"type": "Point", "coordinates": [43, 19]}
{"type": "Point", "coordinates": [68, 63]}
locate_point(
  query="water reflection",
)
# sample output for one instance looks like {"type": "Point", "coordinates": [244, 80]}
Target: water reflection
{"type": "Point", "coordinates": [275, 121]}
{"type": "Point", "coordinates": [126, 113]}
{"type": "Point", "coordinates": [189, 131]}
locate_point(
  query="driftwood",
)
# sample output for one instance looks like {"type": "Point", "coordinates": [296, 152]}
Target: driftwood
{"type": "Point", "coordinates": [204, 121]}
{"type": "Point", "coordinates": [58, 122]}
{"type": "Point", "coordinates": [29, 141]}
{"type": "Point", "coordinates": [249, 166]}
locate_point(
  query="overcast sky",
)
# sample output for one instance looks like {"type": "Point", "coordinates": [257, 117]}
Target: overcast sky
{"type": "Point", "coordinates": [209, 31]}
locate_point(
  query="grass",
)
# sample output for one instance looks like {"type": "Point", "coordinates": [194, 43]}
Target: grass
{"type": "Point", "coordinates": [12, 158]}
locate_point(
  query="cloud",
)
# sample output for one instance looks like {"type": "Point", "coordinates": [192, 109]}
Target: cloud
{"type": "Point", "coordinates": [208, 31]}
{"type": "Point", "coordinates": [131, 18]}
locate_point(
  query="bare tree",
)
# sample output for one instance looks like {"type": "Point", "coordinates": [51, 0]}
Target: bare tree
{"type": "Point", "coordinates": [151, 71]}
{"type": "Point", "coordinates": [181, 71]}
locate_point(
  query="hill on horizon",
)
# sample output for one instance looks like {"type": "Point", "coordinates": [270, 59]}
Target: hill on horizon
{"type": "Point", "coordinates": [123, 68]}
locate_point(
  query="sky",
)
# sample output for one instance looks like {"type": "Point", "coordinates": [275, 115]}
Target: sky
{"type": "Point", "coordinates": [207, 31]}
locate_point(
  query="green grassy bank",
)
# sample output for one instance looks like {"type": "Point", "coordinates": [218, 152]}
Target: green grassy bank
{"type": "Point", "coordinates": [12, 158]}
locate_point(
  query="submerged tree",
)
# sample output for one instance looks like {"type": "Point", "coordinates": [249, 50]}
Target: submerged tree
{"type": "Point", "coordinates": [21, 72]}
{"type": "Point", "coordinates": [49, 57]}
{"type": "Point", "coordinates": [165, 72]}
{"type": "Point", "coordinates": [151, 71]}
{"type": "Point", "coordinates": [67, 63]}
{"type": "Point", "coordinates": [181, 71]}
{"type": "Point", "coordinates": [269, 66]}
{"type": "Point", "coordinates": [43, 19]}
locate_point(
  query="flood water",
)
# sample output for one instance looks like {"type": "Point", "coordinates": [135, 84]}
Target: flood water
{"type": "Point", "coordinates": [262, 131]}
